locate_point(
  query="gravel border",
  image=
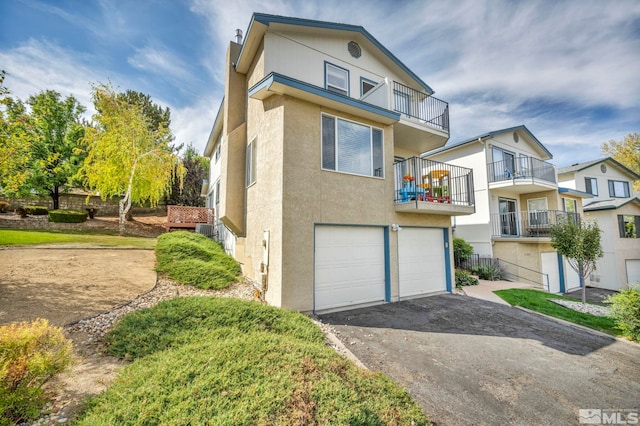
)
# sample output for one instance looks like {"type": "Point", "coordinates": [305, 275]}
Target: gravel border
{"type": "Point", "coordinates": [585, 308]}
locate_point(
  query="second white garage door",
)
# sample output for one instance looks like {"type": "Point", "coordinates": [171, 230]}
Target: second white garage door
{"type": "Point", "coordinates": [421, 260]}
{"type": "Point", "coordinates": [349, 266]}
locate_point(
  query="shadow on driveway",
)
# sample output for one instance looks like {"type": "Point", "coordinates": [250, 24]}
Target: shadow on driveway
{"type": "Point", "coordinates": [454, 314]}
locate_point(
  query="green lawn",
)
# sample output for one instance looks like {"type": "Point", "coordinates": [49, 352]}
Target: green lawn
{"type": "Point", "coordinates": [537, 301]}
{"type": "Point", "coordinates": [20, 237]}
{"type": "Point", "coordinates": [202, 360]}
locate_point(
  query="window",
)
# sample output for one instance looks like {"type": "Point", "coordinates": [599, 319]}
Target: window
{"type": "Point", "coordinates": [503, 164]}
{"type": "Point", "coordinates": [251, 162]}
{"type": "Point", "coordinates": [336, 79]}
{"type": "Point", "coordinates": [216, 156]}
{"type": "Point", "coordinates": [217, 197]}
{"type": "Point", "coordinates": [538, 211]}
{"type": "Point", "coordinates": [591, 185]}
{"type": "Point", "coordinates": [366, 86]}
{"type": "Point", "coordinates": [570, 205]}
{"type": "Point", "coordinates": [618, 189]}
{"type": "Point", "coordinates": [351, 147]}
{"type": "Point", "coordinates": [628, 226]}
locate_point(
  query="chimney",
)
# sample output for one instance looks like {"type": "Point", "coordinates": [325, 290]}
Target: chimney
{"type": "Point", "coordinates": [239, 36]}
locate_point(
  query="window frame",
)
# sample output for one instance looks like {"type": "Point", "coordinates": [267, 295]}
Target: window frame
{"type": "Point", "coordinates": [216, 154]}
{"type": "Point", "coordinates": [612, 188]}
{"type": "Point", "coordinates": [592, 186]}
{"type": "Point", "coordinates": [573, 201]}
{"type": "Point", "coordinates": [622, 225]}
{"type": "Point", "coordinates": [329, 87]}
{"type": "Point", "coordinates": [251, 156]}
{"type": "Point", "coordinates": [336, 139]}
{"type": "Point", "coordinates": [366, 80]}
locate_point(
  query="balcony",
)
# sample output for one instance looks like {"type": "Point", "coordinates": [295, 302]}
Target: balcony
{"type": "Point", "coordinates": [430, 187]}
{"type": "Point", "coordinates": [522, 176]}
{"type": "Point", "coordinates": [528, 224]}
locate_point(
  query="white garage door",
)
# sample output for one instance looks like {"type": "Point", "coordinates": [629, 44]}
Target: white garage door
{"type": "Point", "coordinates": [349, 266]}
{"type": "Point", "coordinates": [633, 270]}
{"type": "Point", "coordinates": [421, 261]}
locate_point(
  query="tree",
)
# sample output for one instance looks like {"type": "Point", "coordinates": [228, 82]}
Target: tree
{"type": "Point", "coordinates": [626, 152]}
{"type": "Point", "coordinates": [197, 170]}
{"type": "Point", "coordinates": [128, 157]}
{"type": "Point", "coordinates": [580, 243]}
{"type": "Point", "coordinates": [41, 149]}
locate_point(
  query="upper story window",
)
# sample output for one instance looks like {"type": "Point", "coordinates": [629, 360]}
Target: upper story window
{"type": "Point", "coordinates": [351, 147]}
{"type": "Point", "coordinates": [366, 86]}
{"type": "Point", "coordinates": [216, 155]}
{"type": "Point", "coordinates": [569, 205]}
{"type": "Point", "coordinates": [251, 162]}
{"type": "Point", "coordinates": [629, 226]}
{"type": "Point", "coordinates": [336, 79]}
{"type": "Point", "coordinates": [618, 189]}
{"type": "Point", "coordinates": [591, 185]}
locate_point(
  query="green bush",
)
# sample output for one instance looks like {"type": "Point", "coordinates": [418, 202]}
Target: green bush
{"type": "Point", "coordinates": [463, 278]}
{"type": "Point", "coordinates": [67, 216]}
{"type": "Point", "coordinates": [4, 207]}
{"type": "Point", "coordinates": [489, 272]}
{"type": "Point", "coordinates": [195, 259]}
{"type": "Point", "coordinates": [625, 309]}
{"type": "Point", "coordinates": [462, 250]}
{"type": "Point", "coordinates": [30, 355]}
{"type": "Point", "coordinates": [36, 210]}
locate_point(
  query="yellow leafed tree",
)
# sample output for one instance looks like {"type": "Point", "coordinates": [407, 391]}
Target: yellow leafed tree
{"type": "Point", "coordinates": [626, 152]}
{"type": "Point", "coordinates": [128, 157]}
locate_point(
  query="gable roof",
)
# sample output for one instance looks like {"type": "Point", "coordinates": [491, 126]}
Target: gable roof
{"type": "Point", "coordinates": [582, 166]}
{"type": "Point", "coordinates": [492, 134]}
{"type": "Point", "coordinates": [610, 204]}
{"type": "Point", "coordinates": [261, 21]}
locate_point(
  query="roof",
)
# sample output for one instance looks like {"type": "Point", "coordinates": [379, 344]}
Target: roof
{"type": "Point", "coordinates": [491, 134]}
{"type": "Point", "coordinates": [261, 21]}
{"type": "Point", "coordinates": [581, 166]}
{"type": "Point", "coordinates": [610, 204]}
{"type": "Point", "coordinates": [575, 192]}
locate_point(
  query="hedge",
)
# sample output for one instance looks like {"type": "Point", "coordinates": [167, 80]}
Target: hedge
{"type": "Point", "coordinates": [36, 210]}
{"type": "Point", "coordinates": [67, 216]}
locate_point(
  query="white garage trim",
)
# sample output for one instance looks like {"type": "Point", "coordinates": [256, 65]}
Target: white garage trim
{"type": "Point", "coordinates": [422, 261]}
{"type": "Point", "coordinates": [632, 267]}
{"type": "Point", "coordinates": [351, 266]}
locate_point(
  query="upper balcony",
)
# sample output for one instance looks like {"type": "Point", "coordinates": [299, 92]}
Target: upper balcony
{"type": "Point", "coordinates": [431, 187]}
{"type": "Point", "coordinates": [523, 175]}
{"type": "Point", "coordinates": [528, 224]}
{"type": "Point", "coordinates": [424, 119]}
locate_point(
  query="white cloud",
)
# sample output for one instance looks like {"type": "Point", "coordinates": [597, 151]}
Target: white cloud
{"type": "Point", "coordinates": [159, 60]}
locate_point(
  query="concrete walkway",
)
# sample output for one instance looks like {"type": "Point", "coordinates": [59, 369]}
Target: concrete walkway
{"type": "Point", "coordinates": [484, 290]}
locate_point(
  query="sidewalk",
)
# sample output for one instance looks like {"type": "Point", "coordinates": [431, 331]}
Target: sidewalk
{"type": "Point", "coordinates": [484, 290]}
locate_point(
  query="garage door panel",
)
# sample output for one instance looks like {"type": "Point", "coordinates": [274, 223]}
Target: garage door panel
{"type": "Point", "coordinates": [422, 266]}
{"type": "Point", "coordinates": [349, 266]}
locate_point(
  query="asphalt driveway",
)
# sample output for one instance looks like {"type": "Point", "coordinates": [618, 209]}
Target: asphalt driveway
{"type": "Point", "coordinates": [469, 361]}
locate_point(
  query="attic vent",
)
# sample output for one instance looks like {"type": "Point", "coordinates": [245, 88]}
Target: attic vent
{"type": "Point", "coordinates": [516, 138]}
{"type": "Point", "coordinates": [354, 49]}
{"type": "Point", "coordinates": [603, 168]}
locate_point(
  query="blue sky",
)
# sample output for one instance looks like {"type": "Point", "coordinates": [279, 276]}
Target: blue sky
{"type": "Point", "coordinates": [568, 70]}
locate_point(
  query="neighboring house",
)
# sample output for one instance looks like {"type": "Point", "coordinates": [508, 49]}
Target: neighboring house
{"type": "Point", "coordinates": [617, 211]}
{"type": "Point", "coordinates": [517, 200]}
{"type": "Point", "coordinates": [316, 175]}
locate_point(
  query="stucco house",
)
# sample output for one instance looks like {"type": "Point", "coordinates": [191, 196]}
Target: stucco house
{"type": "Point", "coordinates": [617, 210]}
{"type": "Point", "coordinates": [316, 177]}
{"type": "Point", "coordinates": [517, 199]}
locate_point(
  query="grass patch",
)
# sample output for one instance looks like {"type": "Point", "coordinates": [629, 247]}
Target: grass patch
{"type": "Point", "coordinates": [230, 362]}
{"type": "Point", "coordinates": [538, 301]}
{"type": "Point", "coordinates": [195, 259]}
{"type": "Point", "coordinates": [22, 237]}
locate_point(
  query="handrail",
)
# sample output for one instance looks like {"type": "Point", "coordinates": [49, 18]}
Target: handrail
{"type": "Point", "coordinates": [546, 276]}
{"type": "Point", "coordinates": [421, 105]}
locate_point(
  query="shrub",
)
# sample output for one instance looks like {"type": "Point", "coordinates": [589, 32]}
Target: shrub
{"type": "Point", "coordinates": [625, 309]}
{"type": "Point", "coordinates": [67, 216]}
{"type": "Point", "coordinates": [462, 250]}
{"type": "Point", "coordinates": [4, 207]}
{"type": "Point", "coordinates": [30, 355]}
{"type": "Point", "coordinates": [489, 272]}
{"type": "Point", "coordinates": [36, 210]}
{"type": "Point", "coordinates": [463, 278]}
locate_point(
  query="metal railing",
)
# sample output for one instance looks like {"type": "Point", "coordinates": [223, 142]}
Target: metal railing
{"type": "Point", "coordinates": [528, 223]}
{"type": "Point", "coordinates": [521, 168]}
{"type": "Point", "coordinates": [421, 180]}
{"type": "Point", "coordinates": [420, 105]}
{"type": "Point", "coordinates": [514, 272]}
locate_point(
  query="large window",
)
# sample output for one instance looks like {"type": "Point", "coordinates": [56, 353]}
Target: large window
{"type": "Point", "coordinates": [351, 147]}
{"type": "Point", "coordinates": [618, 189]}
{"type": "Point", "coordinates": [591, 185]}
{"type": "Point", "coordinates": [629, 226]}
{"type": "Point", "coordinates": [336, 79]}
{"type": "Point", "coordinates": [251, 162]}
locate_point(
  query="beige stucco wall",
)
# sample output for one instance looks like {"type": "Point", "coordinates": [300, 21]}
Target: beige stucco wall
{"type": "Point", "coordinates": [551, 196]}
{"type": "Point", "coordinates": [524, 254]}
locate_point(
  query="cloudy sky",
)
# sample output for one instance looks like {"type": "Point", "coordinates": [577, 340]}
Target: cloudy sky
{"type": "Point", "coordinates": [568, 70]}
